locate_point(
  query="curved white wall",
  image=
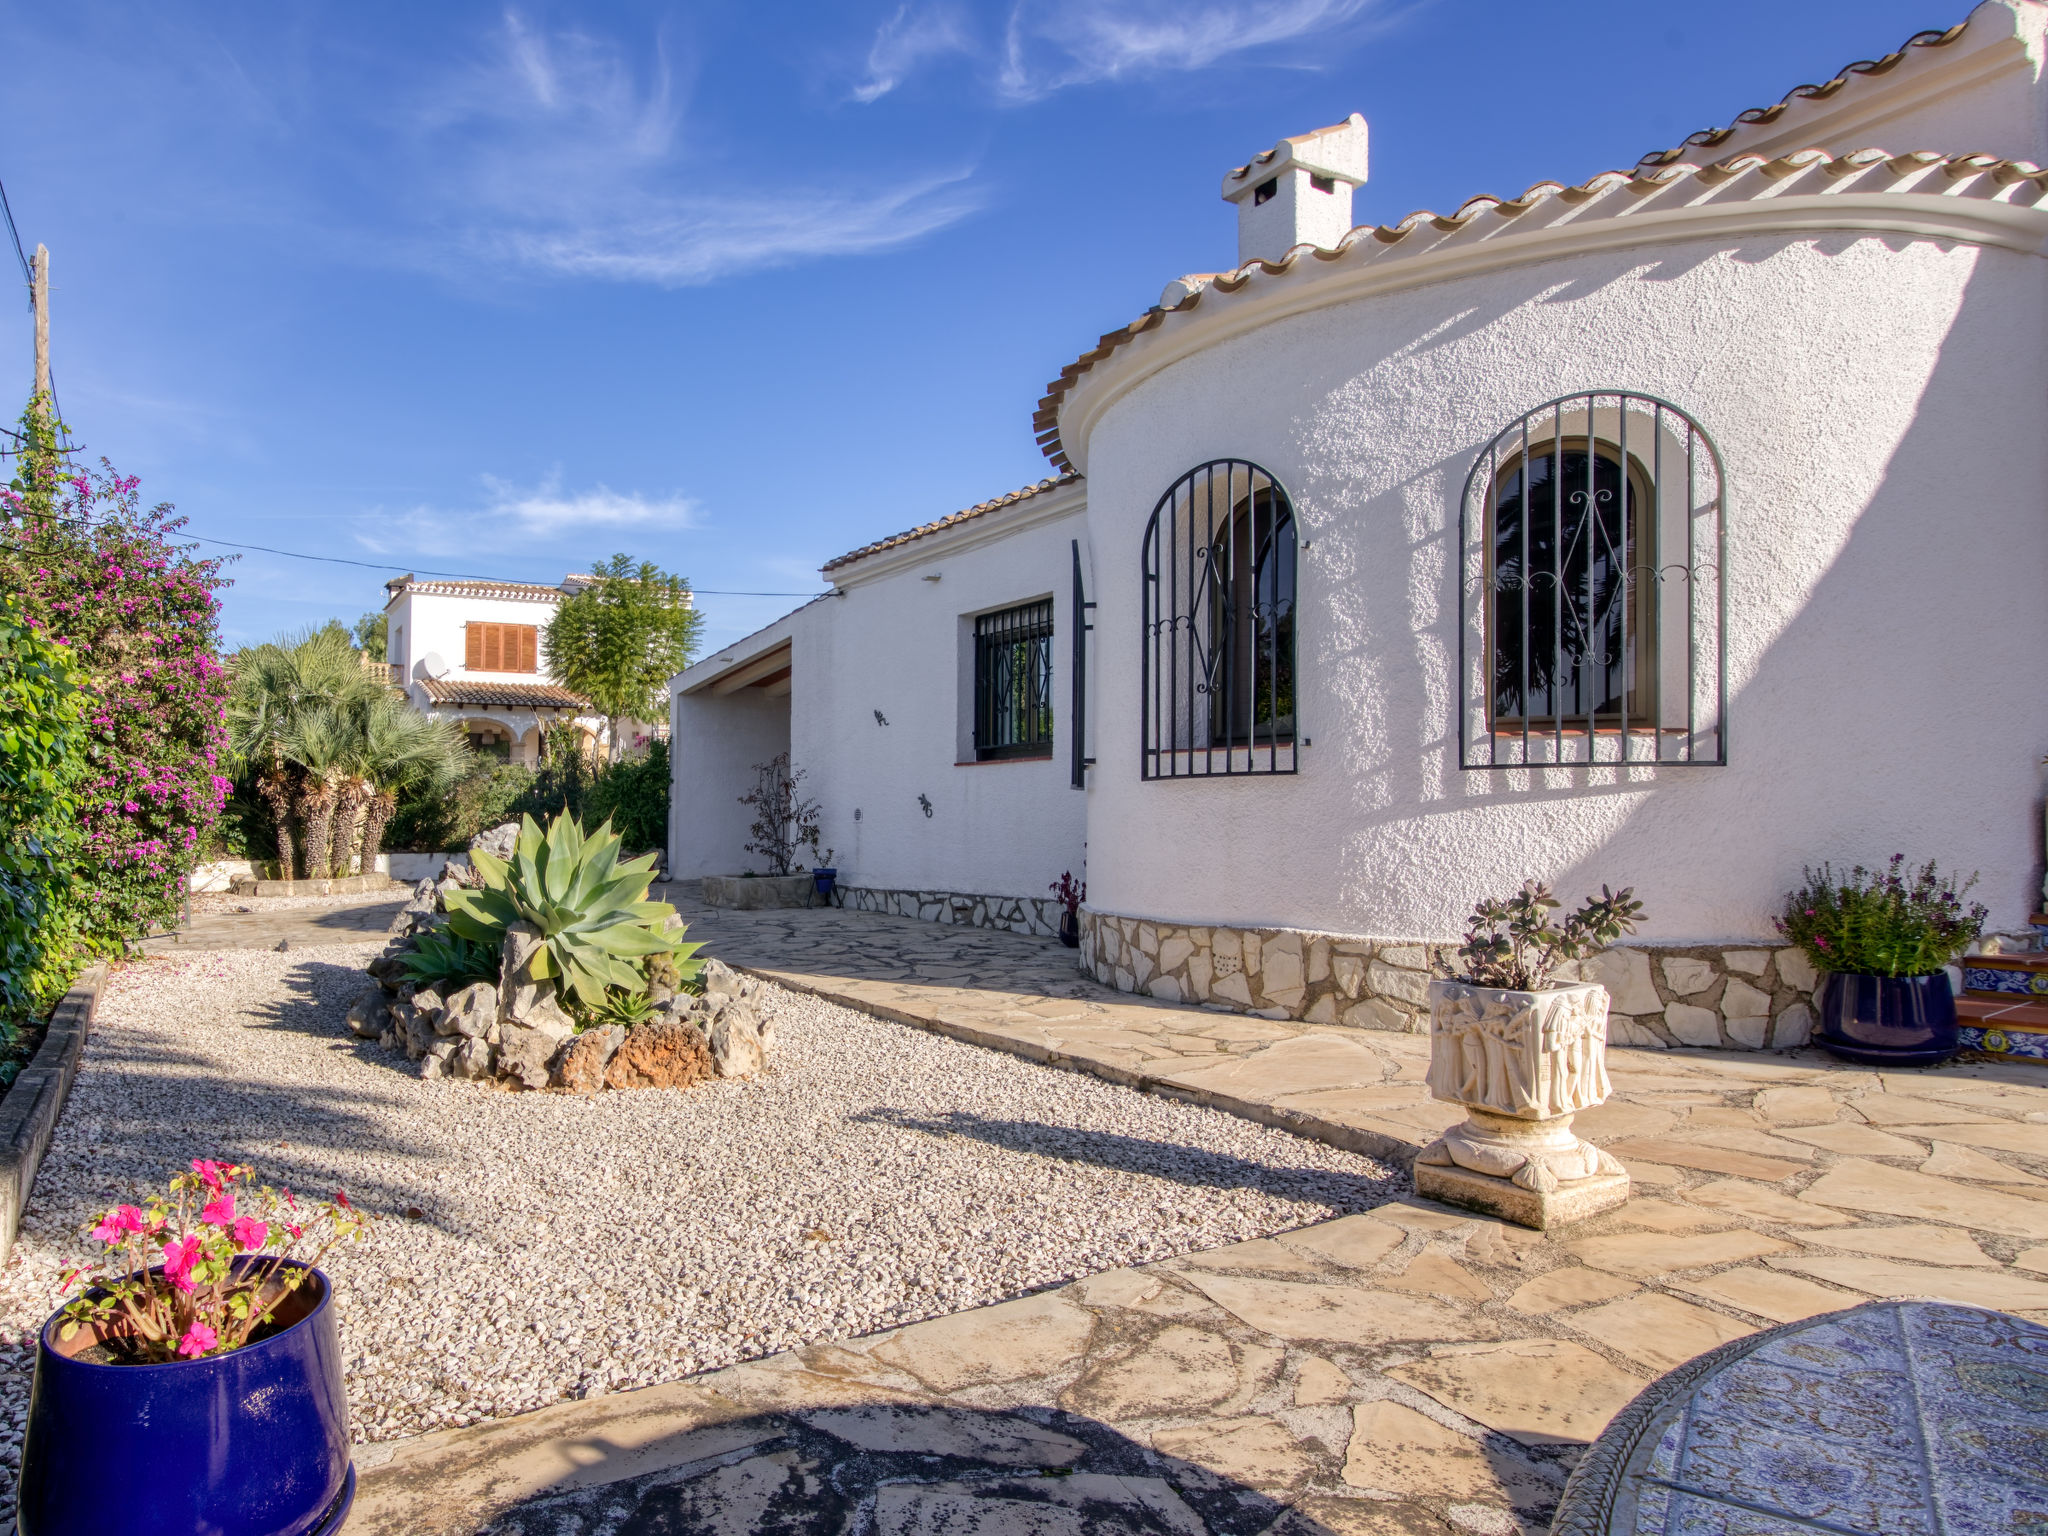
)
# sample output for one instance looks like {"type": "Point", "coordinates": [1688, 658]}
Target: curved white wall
{"type": "Point", "coordinates": [1878, 403]}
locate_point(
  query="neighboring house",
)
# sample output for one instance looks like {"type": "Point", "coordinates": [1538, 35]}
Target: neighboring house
{"type": "Point", "coordinates": [1654, 531]}
{"type": "Point", "coordinates": [474, 652]}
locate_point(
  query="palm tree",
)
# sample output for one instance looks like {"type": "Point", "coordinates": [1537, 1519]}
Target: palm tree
{"type": "Point", "coordinates": [277, 689]}
{"type": "Point", "coordinates": [320, 742]}
{"type": "Point", "coordinates": [396, 747]}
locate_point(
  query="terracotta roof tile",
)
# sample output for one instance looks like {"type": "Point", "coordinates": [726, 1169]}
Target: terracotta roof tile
{"type": "Point", "coordinates": [514, 695]}
{"type": "Point", "coordinates": [1989, 175]}
{"type": "Point", "coordinates": [925, 530]}
{"type": "Point", "coordinates": [457, 587]}
{"type": "Point", "coordinates": [1707, 138]}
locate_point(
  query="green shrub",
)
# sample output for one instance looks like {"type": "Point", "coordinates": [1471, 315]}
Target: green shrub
{"type": "Point", "coordinates": [631, 794]}
{"type": "Point", "coordinates": [597, 927]}
{"type": "Point", "coordinates": [1876, 924]}
{"type": "Point", "coordinates": [42, 764]}
{"type": "Point", "coordinates": [437, 816]}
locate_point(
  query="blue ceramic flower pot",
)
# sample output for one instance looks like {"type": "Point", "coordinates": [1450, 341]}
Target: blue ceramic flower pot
{"type": "Point", "coordinates": [1888, 1021]}
{"type": "Point", "coordinates": [824, 878]}
{"type": "Point", "coordinates": [250, 1443]}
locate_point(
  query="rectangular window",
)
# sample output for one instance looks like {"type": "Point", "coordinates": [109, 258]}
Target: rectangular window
{"type": "Point", "coordinates": [501, 648]}
{"type": "Point", "coordinates": [1013, 682]}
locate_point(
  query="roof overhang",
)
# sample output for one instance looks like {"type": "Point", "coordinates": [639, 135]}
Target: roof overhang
{"type": "Point", "coordinates": [956, 537]}
{"type": "Point", "coordinates": [760, 665]}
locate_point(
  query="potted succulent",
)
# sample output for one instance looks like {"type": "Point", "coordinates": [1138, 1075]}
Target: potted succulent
{"type": "Point", "coordinates": [1883, 942]}
{"type": "Point", "coordinates": [1523, 1053]}
{"type": "Point", "coordinates": [199, 1367]}
{"type": "Point", "coordinates": [1069, 893]}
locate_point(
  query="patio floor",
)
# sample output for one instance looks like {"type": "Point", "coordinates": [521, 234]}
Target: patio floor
{"type": "Point", "coordinates": [1414, 1370]}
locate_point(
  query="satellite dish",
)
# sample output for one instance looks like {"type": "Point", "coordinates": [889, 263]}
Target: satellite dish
{"type": "Point", "coordinates": [433, 665]}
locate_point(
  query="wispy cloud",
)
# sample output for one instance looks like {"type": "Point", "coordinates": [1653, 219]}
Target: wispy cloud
{"type": "Point", "coordinates": [557, 154]}
{"type": "Point", "coordinates": [512, 515]}
{"type": "Point", "coordinates": [1051, 44]}
{"type": "Point", "coordinates": [913, 35]}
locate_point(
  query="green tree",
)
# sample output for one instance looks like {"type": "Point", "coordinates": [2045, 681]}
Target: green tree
{"type": "Point", "coordinates": [370, 634]}
{"type": "Point", "coordinates": [621, 638]}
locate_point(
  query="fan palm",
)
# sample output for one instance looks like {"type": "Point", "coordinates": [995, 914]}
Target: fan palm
{"type": "Point", "coordinates": [396, 747]}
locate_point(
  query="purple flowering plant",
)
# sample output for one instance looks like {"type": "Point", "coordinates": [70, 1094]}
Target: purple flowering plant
{"type": "Point", "coordinates": [1889, 922]}
{"type": "Point", "coordinates": [201, 1269]}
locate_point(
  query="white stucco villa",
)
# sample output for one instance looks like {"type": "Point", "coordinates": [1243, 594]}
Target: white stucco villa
{"type": "Point", "coordinates": [475, 652]}
{"type": "Point", "coordinates": [1653, 531]}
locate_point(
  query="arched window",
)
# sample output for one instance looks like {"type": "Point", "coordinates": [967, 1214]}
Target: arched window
{"type": "Point", "coordinates": [1217, 665]}
{"type": "Point", "coordinates": [1591, 618]}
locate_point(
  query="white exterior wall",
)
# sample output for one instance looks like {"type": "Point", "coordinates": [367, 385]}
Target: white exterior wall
{"type": "Point", "coordinates": [903, 645]}
{"type": "Point", "coordinates": [714, 743]}
{"type": "Point", "coordinates": [436, 621]}
{"type": "Point", "coordinates": [1877, 401]}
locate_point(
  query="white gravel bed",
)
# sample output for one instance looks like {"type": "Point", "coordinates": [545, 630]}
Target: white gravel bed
{"type": "Point", "coordinates": [213, 903]}
{"type": "Point", "coordinates": [569, 1245]}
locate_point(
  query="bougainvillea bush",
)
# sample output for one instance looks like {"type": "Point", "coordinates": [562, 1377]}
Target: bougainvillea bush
{"type": "Point", "coordinates": [106, 578]}
{"type": "Point", "coordinates": [203, 1269]}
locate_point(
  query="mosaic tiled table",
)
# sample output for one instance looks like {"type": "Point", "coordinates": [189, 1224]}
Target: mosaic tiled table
{"type": "Point", "coordinates": [1899, 1418]}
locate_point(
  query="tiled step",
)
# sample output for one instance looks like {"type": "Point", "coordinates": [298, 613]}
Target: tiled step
{"type": "Point", "coordinates": [2009, 1014]}
{"type": "Point", "coordinates": [2006, 976]}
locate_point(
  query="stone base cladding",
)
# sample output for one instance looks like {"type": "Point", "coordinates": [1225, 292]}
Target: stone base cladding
{"type": "Point", "coordinates": [1037, 915]}
{"type": "Point", "coordinates": [1743, 997]}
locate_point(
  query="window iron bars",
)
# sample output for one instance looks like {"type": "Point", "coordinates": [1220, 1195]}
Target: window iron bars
{"type": "Point", "coordinates": [1217, 652]}
{"type": "Point", "coordinates": [1592, 609]}
{"type": "Point", "coordinates": [1013, 682]}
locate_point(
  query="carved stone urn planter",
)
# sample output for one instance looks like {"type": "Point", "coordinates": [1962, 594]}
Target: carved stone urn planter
{"type": "Point", "coordinates": [1522, 1064]}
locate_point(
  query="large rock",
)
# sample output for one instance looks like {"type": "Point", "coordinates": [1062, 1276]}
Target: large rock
{"type": "Point", "coordinates": [369, 1014]}
{"type": "Point", "coordinates": [581, 1062]}
{"type": "Point", "coordinates": [524, 998]}
{"type": "Point", "coordinates": [499, 842]}
{"type": "Point", "coordinates": [660, 1054]}
{"type": "Point", "coordinates": [435, 1060]}
{"type": "Point", "coordinates": [721, 980]}
{"type": "Point", "coordinates": [527, 1051]}
{"type": "Point", "coordinates": [413, 1031]}
{"type": "Point", "coordinates": [472, 1058]}
{"type": "Point", "coordinates": [736, 1042]}
{"type": "Point", "coordinates": [471, 1012]}
{"type": "Point", "coordinates": [428, 1000]}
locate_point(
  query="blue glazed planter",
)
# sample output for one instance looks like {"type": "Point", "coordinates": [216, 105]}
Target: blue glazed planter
{"type": "Point", "coordinates": [824, 879]}
{"type": "Point", "coordinates": [251, 1443]}
{"type": "Point", "coordinates": [1888, 1021]}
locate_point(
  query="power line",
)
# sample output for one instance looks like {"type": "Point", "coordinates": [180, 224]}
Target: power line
{"type": "Point", "coordinates": [372, 565]}
{"type": "Point", "coordinates": [19, 254]}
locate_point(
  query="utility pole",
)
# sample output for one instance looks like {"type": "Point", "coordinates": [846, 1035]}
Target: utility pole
{"type": "Point", "coordinates": [40, 297]}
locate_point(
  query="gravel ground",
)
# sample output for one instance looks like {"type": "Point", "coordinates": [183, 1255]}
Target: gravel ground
{"type": "Point", "coordinates": [566, 1246]}
{"type": "Point", "coordinates": [211, 903]}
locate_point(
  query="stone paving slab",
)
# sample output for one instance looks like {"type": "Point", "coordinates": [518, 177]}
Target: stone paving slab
{"type": "Point", "coordinates": [1415, 1371]}
{"type": "Point", "coordinates": [301, 927]}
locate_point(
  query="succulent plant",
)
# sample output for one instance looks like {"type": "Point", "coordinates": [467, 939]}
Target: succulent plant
{"type": "Point", "coordinates": [597, 928]}
{"type": "Point", "coordinates": [439, 956]}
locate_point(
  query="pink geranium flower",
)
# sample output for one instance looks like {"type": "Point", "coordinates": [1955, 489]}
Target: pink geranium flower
{"type": "Point", "coordinates": [251, 1234]}
{"type": "Point", "coordinates": [210, 1171]}
{"type": "Point", "coordinates": [219, 1213]}
{"type": "Point", "coordinates": [117, 1223]}
{"type": "Point", "coordinates": [197, 1341]}
{"type": "Point", "coordinates": [179, 1257]}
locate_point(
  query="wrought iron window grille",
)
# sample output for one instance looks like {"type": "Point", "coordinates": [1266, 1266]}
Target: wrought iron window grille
{"type": "Point", "coordinates": [1593, 613]}
{"type": "Point", "coordinates": [1217, 657]}
{"type": "Point", "coordinates": [1013, 682]}
{"type": "Point", "coordinates": [1082, 630]}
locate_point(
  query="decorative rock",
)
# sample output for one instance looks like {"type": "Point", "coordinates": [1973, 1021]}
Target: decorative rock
{"type": "Point", "coordinates": [526, 1050]}
{"type": "Point", "coordinates": [660, 1055]}
{"type": "Point", "coordinates": [428, 1000]}
{"type": "Point", "coordinates": [736, 1049]}
{"type": "Point", "coordinates": [470, 1059]}
{"type": "Point", "coordinates": [1522, 1064]}
{"type": "Point", "coordinates": [581, 1062]}
{"type": "Point", "coordinates": [435, 1059]}
{"type": "Point", "coordinates": [470, 1012]}
{"type": "Point", "coordinates": [500, 842]}
{"type": "Point", "coordinates": [524, 998]}
{"type": "Point", "coordinates": [720, 980]}
{"type": "Point", "coordinates": [369, 1015]}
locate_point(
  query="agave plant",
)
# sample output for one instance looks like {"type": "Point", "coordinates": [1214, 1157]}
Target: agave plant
{"type": "Point", "coordinates": [449, 957]}
{"type": "Point", "coordinates": [597, 927]}
{"type": "Point", "coordinates": [622, 1008]}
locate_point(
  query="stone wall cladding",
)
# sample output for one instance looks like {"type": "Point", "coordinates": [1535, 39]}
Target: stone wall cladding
{"type": "Point", "coordinates": [1739, 996]}
{"type": "Point", "coordinates": [1034, 915]}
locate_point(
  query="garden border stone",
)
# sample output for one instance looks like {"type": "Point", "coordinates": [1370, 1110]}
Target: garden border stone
{"type": "Point", "coordinates": [29, 1112]}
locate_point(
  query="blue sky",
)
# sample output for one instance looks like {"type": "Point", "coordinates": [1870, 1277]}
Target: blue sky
{"type": "Point", "coordinates": [734, 287]}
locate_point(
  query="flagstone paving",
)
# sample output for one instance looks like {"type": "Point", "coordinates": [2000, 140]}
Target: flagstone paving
{"type": "Point", "coordinates": [1412, 1370]}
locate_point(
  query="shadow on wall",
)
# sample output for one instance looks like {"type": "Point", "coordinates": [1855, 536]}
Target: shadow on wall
{"type": "Point", "coordinates": [1814, 711]}
{"type": "Point", "coordinates": [1137, 1154]}
{"type": "Point", "coordinates": [874, 1467]}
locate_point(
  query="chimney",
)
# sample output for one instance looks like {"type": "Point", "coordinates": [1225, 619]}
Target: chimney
{"type": "Point", "coordinates": [1298, 192]}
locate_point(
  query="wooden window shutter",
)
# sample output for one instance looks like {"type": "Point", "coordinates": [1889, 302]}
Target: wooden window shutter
{"type": "Point", "coordinates": [494, 647]}
{"type": "Point", "coordinates": [473, 647]}
{"type": "Point", "coordinates": [528, 648]}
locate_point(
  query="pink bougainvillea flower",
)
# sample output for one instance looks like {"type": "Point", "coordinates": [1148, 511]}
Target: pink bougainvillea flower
{"type": "Point", "coordinates": [251, 1234]}
{"type": "Point", "coordinates": [179, 1257]}
{"type": "Point", "coordinates": [219, 1213]}
{"type": "Point", "coordinates": [288, 1200]}
{"type": "Point", "coordinates": [118, 1223]}
{"type": "Point", "coordinates": [199, 1338]}
{"type": "Point", "coordinates": [295, 1229]}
